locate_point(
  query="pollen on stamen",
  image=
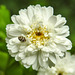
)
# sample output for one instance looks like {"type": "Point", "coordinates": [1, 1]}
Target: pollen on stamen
{"type": "Point", "coordinates": [38, 37]}
{"type": "Point", "coordinates": [38, 33]}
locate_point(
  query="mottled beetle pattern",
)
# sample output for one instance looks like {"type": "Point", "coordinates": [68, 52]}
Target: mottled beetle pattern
{"type": "Point", "coordinates": [21, 38]}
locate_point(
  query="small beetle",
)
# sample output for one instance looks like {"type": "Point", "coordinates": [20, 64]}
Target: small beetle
{"type": "Point", "coordinates": [21, 38]}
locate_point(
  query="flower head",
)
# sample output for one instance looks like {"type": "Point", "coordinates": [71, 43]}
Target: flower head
{"type": "Point", "coordinates": [37, 36]}
{"type": "Point", "coordinates": [64, 66]}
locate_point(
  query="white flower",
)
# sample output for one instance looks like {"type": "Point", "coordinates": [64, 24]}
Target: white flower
{"type": "Point", "coordinates": [64, 66]}
{"type": "Point", "coordinates": [37, 36]}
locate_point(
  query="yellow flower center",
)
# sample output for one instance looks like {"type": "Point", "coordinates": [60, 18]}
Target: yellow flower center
{"type": "Point", "coordinates": [38, 35]}
{"type": "Point", "coordinates": [61, 72]}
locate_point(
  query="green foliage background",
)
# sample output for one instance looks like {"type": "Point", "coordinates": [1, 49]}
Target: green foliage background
{"type": "Point", "coordinates": [8, 66]}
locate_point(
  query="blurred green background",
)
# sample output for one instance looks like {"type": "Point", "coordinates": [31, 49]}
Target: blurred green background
{"type": "Point", "coordinates": [8, 66]}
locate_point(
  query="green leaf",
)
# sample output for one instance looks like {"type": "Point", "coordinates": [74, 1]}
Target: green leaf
{"type": "Point", "coordinates": [4, 17]}
{"type": "Point", "coordinates": [4, 20]}
{"type": "Point", "coordinates": [2, 35]}
{"type": "Point", "coordinates": [2, 73]}
{"type": "Point", "coordinates": [29, 71]}
{"type": "Point", "coordinates": [3, 60]}
{"type": "Point", "coordinates": [73, 50]}
{"type": "Point", "coordinates": [15, 69]}
{"type": "Point", "coordinates": [4, 13]}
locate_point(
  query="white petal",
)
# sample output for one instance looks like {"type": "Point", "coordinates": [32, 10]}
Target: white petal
{"type": "Point", "coordinates": [49, 11]}
{"type": "Point", "coordinates": [17, 58]}
{"type": "Point", "coordinates": [37, 12]}
{"type": "Point", "coordinates": [30, 12]}
{"type": "Point", "coordinates": [65, 34]}
{"type": "Point", "coordinates": [63, 31]}
{"type": "Point", "coordinates": [52, 20]}
{"type": "Point", "coordinates": [61, 47]}
{"type": "Point", "coordinates": [35, 65]}
{"type": "Point", "coordinates": [42, 58]}
{"type": "Point", "coordinates": [46, 49]}
{"type": "Point", "coordinates": [44, 12]}
{"type": "Point", "coordinates": [27, 28]}
{"type": "Point", "coordinates": [12, 54]}
{"type": "Point", "coordinates": [14, 49]}
{"type": "Point", "coordinates": [14, 30]}
{"type": "Point", "coordinates": [24, 16]}
{"type": "Point", "coordinates": [21, 55]}
{"type": "Point", "coordinates": [17, 19]}
{"type": "Point", "coordinates": [14, 41]}
{"type": "Point", "coordinates": [60, 22]}
{"type": "Point", "coordinates": [30, 49]}
{"type": "Point", "coordinates": [26, 66]}
{"type": "Point", "coordinates": [13, 45]}
{"type": "Point", "coordinates": [13, 18]}
{"type": "Point", "coordinates": [29, 60]}
{"type": "Point", "coordinates": [64, 41]}
{"type": "Point", "coordinates": [52, 57]}
{"type": "Point", "coordinates": [59, 17]}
